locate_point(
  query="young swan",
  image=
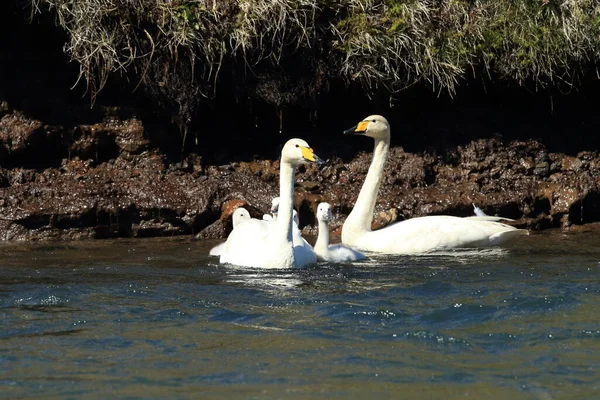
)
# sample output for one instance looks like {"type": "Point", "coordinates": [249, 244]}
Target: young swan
{"type": "Point", "coordinates": [239, 215]}
{"type": "Point", "coordinates": [331, 252]}
{"type": "Point", "coordinates": [415, 235]}
{"type": "Point", "coordinates": [274, 208]}
{"type": "Point", "coordinates": [273, 216]}
{"type": "Point", "coordinates": [261, 244]}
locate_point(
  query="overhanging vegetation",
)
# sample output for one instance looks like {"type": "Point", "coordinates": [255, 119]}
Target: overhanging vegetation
{"type": "Point", "coordinates": [179, 49]}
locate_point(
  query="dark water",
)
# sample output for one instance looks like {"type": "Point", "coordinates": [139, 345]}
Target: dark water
{"type": "Point", "coordinates": [159, 319]}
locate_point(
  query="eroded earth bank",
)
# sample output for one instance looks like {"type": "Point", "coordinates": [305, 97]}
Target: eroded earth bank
{"type": "Point", "coordinates": [109, 180]}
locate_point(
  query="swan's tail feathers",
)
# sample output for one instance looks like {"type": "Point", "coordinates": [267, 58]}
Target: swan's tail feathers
{"type": "Point", "coordinates": [489, 218]}
{"type": "Point", "coordinates": [478, 211]}
{"type": "Point", "coordinates": [505, 236]}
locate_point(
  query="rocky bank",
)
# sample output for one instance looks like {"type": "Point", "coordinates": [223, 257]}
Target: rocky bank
{"type": "Point", "coordinates": [109, 179]}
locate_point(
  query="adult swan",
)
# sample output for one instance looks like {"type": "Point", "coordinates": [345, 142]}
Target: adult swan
{"type": "Point", "coordinates": [263, 244]}
{"type": "Point", "coordinates": [416, 235]}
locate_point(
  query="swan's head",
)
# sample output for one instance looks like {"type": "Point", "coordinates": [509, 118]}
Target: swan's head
{"type": "Point", "coordinates": [324, 212]}
{"type": "Point", "coordinates": [240, 215]}
{"type": "Point", "coordinates": [374, 126]}
{"type": "Point", "coordinates": [297, 151]}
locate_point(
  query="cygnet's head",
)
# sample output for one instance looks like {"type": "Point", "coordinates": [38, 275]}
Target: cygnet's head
{"type": "Point", "coordinates": [274, 205]}
{"type": "Point", "coordinates": [374, 126]}
{"type": "Point", "coordinates": [240, 215]}
{"type": "Point", "coordinates": [297, 151]}
{"type": "Point", "coordinates": [324, 212]}
{"type": "Point", "coordinates": [275, 210]}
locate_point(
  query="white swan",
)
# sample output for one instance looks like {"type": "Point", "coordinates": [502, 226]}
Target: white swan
{"type": "Point", "coordinates": [262, 244]}
{"type": "Point", "coordinates": [331, 252]}
{"type": "Point", "coordinates": [239, 215]}
{"type": "Point", "coordinates": [416, 235]}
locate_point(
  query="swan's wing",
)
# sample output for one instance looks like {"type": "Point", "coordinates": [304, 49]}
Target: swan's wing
{"type": "Point", "coordinates": [246, 243]}
{"type": "Point", "coordinates": [303, 251]}
{"type": "Point", "coordinates": [423, 234]}
{"type": "Point", "coordinates": [217, 250]}
{"type": "Point", "coordinates": [503, 237]}
{"type": "Point", "coordinates": [252, 244]}
{"type": "Point", "coordinates": [339, 253]}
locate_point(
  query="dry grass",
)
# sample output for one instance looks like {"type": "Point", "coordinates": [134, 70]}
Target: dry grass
{"type": "Point", "coordinates": [178, 48]}
{"type": "Point", "coordinates": [398, 43]}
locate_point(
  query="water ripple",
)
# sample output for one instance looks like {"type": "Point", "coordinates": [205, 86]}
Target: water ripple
{"type": "Point", "coordinates": [435, 338]}
{"type": "Point", "coordinates": [459, 314]}
{"type": "Point", "coordinates": [144, 319]}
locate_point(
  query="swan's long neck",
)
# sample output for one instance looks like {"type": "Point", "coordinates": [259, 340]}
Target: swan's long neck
{"type": "Point", "coordinates": [286, 198]}
{"type": "Point", "coordinates": [359, 220]}
{"type": "Point", "coordinates": [323, 236]}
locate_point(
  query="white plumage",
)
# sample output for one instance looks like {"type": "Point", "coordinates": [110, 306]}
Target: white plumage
{"type": "Point", "coordinates": [239, 215]}
{"type": "Point", "coordinates": [303, 251]}
{"type": "Point", "coordinates": [262, 244]}
{"type": "Point", "coordinates": [331, 252]}
{"type": "Point", "coordinates": [416, 235]}
{"type": "Point", "coordinates": [482, 216]}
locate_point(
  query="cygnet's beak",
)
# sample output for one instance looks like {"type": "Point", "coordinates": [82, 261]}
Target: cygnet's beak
{"type": "Point", "coordinates": [327, 217]}
{"type": "Point", "coordinates": [359, 129]}
{"type": "Point", "coordinates": [309, 155]}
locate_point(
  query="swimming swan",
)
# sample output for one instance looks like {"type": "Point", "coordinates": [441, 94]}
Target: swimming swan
{"type": "Point", "coordinates": [331, 252]}
{"type": "Point", "coordinates": [262, 244]}
{"type": "Point", "coordinates": [416, 235]}
{"type": "Point", "coordinates": [239, 215]}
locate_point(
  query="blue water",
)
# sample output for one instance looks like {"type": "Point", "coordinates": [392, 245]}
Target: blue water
{"type": "Point", "coordinates": [160, 319]}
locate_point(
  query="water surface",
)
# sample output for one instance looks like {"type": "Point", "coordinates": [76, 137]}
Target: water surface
{"type": "Point", "coordinates": [160, 319]}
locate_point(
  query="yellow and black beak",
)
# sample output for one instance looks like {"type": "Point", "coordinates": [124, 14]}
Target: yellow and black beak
{"type": "Point", "coordinates": [309, 155]}
{"type": "Point", "coordinates": [359, 129]}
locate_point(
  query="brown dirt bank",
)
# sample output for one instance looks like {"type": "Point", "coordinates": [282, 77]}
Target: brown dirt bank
{"type": "Point", "coordinates": [115, 183]}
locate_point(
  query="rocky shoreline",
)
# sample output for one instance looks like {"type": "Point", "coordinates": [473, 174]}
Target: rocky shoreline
{"type": "Point", "coordinates": [115, 182]}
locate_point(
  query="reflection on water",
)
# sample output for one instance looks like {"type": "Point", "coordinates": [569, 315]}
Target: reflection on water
{"type": "Point", "coordinates": [160, 319]}
{"type": "Point", "coordinates": [274, 281]}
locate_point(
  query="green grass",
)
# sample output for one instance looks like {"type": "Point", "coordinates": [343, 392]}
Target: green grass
{"type": "Point", "coordinates": [178, 48]}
